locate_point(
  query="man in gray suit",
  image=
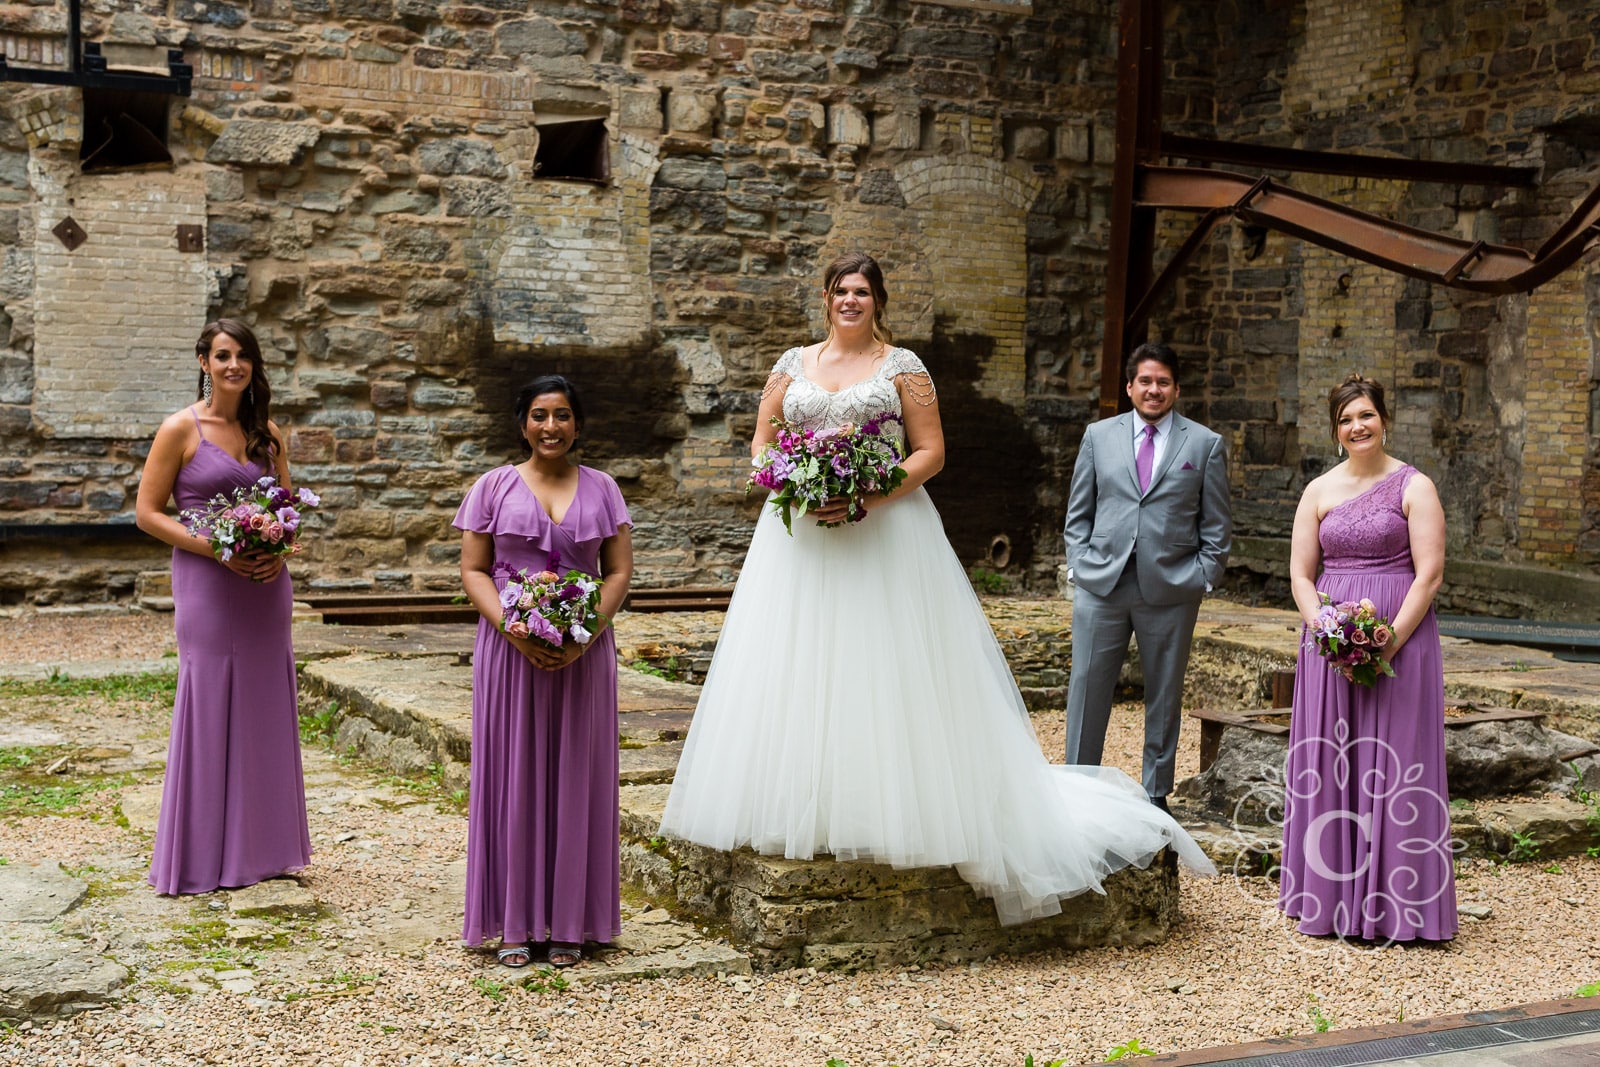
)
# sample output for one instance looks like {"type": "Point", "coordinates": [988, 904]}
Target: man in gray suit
{"type": "Point", "coordinates": [1148, 530]}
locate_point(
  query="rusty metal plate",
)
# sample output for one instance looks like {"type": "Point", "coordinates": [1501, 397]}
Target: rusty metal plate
{"type": "Point", "coordinates": [69, 233]}
{"type": "Point", "coordinates": [191, 238]}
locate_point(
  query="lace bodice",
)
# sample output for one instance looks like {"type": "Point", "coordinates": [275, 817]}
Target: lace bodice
{"type": "Point", "coordinates": [1369, 532]}
{"type": "Point", "coordinates": [815, 408]}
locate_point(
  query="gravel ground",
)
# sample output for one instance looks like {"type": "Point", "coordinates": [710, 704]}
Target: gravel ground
{"type": "Point", "coordinates": [364, 988]}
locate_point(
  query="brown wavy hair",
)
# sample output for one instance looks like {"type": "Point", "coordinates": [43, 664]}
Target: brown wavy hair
{"type": "Point", "coordinates": [255, 406]}
{"type": "Point", "coordinates": [864, 265]}
{"type": "Point", "coordinates": [1355, 387]}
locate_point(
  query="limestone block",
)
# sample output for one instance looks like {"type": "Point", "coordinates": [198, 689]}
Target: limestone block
{"type": "Point", "coordinates": [848, 125]}
{"type": "Point", "coordinates": [692, 111]}
{"type": "Point", "coordinates": [276, 896]}
{"type": "Point", "coordinates": [640, 109]}
{"type": "Point", "coordinates": [1491, 758]}
{"type": "Point", "coordinates": [363, 524]}
{"type": "Point", "coordinates": [540, 37]}
{"type": "Point", "coordinates": [1031, 143]}
{"type": "Point", "coordinates": [789, 66]}
{"type": "Point", "coordinates": [460, 155]}
{"type": "Point", "coordinates": [474, 198]}
{"type": "Point", "coordinates": [859, 58]}
{"type": "Point", "coordinates": [55, 980]}
{"type": "Point", "coordinates": [685, 172]}
{"type": "Point", "coordinates": [1557, 825]}
{"type": "Point", "coordinates": [1103, 146]}
{"type": "Point", "coordinates": [258, 142]}
{"type": "Point", "coordinates": [37, 893]}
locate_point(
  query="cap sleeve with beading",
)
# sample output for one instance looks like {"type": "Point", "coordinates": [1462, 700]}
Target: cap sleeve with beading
{"type": "Point", "coordinates": [783, 372]}
{"type": "Point", "coordinates": [903, 363]}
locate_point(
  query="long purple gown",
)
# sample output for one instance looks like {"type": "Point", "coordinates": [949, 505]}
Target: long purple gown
{"type": "Point", "coordinates": [233, 807]}
{"type": "Point", "coordinates": [542, 823]}
{"type": "Point", "coordinates": [1366, 835]}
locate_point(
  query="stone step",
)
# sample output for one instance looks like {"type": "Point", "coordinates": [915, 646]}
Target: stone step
{"type": "Point", "coordinates": [854, 916]}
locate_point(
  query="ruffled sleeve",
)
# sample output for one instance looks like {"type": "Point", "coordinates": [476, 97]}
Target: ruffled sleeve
{"type": "Point", "coordinates": [604, 509]}
{"type": "Point", "coordinates": [903, 367]}
{"type": "Point", "coordinates": [484, 508]}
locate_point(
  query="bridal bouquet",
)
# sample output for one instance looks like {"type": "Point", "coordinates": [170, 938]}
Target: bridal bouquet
{"type": "Point", "coordinates": [803, 468]}
{"type": "Point", "coordinates": [549, 606]}
{"type": "Point", "coordinates": [1350, 635]}
{"type": "Point", "coordinates": [263, 516]}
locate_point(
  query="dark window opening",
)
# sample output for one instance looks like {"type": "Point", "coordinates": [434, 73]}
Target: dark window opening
{"type": "Point", "coordinates": [575, 151]}
{"type": "Point", "coordinates": [124, 130]}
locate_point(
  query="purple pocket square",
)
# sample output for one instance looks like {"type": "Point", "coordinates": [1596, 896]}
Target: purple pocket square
{"type": "Point", "coordinates": [1187, 466]}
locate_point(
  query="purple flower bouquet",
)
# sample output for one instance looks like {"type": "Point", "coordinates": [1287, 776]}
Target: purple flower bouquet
{"type": "Point", "coordinates": [552, 607]}
{"type": "Point", "coordinates": [1350, 635]}
{"type": "Point", "coordinates": [804, 468]}
{"type": "Point", "coordinates": [261, 517]}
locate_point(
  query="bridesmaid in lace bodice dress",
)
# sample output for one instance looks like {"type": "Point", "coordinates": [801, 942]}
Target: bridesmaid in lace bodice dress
{"type": "Point", "coordinates": [1366, 837]}
{"type": "Point", "coordinates": [233, 809]}
{"type": "Point", "coordinates": [858, 703]}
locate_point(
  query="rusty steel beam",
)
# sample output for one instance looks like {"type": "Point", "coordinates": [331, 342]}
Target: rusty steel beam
{"type": "Point", "coordinates": [1306, 161]}
{"type": "Point", "coordinates": [1473, 265]}
{"type": "Point", "coordinates": [1138, 141]}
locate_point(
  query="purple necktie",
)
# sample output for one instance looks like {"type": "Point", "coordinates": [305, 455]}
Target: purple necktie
{"type": "Point", "coordinates": [1146, 459]}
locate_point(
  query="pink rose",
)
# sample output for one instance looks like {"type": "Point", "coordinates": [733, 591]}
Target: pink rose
{"type": "Point", "coordinates": [1381, 636]}
{"type": "Point", "coordinates": [517, 629]}
{"type": "Point", "coordinates": [1358, 637]}
{"type": "Point", "coordinates": [546, 576]}
{"type": "Point", "coordinates": [274, 532]}
{"type": "Point", "coordinates": [258, 522]}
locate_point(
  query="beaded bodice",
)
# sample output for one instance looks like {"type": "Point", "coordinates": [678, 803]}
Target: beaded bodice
{"type": "Point", "coordinates": [1369, 532]}
{"type": "Point", "coordinates": [814, 408]}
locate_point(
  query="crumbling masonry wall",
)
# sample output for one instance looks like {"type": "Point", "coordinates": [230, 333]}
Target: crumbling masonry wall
{"type": "Point", "coordinates": [369, 181]}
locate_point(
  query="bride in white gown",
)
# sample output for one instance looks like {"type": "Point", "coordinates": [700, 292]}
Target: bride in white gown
{"type": "Point", "coordinates": [858, 703]}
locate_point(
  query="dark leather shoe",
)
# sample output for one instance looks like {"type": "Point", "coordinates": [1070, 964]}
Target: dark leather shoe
{"type": "Point", "coordinates": [1161, 802]}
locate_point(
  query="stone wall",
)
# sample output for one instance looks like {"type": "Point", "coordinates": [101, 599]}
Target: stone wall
{"type": "Point", "coordinates": [1494, 398]}
{"type": "Point", "coordinates": [421, 204]}
{"type": "Point", "coordinates": [380, 185]}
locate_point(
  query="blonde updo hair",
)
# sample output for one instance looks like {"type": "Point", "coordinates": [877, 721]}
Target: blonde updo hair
{"type": "Point", "coordinates": [1355, 387]}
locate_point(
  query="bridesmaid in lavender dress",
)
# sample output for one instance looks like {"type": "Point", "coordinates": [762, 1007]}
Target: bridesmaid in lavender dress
{"type": "Point", "coordinates": [542, 824]}
{"type": "Point", "coordinates": [1366, 837]}
{"type": "Point", "coordinates": [233, 809]}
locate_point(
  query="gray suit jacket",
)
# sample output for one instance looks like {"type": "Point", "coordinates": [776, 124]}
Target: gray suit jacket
{"type": "Point", "coordinates": [1183, 524]}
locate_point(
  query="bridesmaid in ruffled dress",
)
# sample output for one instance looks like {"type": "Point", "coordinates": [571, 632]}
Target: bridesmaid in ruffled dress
{"type": "Point", "coordinates": [233, 809]}
{"type": "Point", "coordinates": [543, 863]}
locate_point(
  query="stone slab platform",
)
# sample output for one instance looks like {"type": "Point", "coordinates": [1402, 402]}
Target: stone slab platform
{"type": "Point", "coordinates": [412, 686]}
{"type": "Point", "coordinates": [855, 916]}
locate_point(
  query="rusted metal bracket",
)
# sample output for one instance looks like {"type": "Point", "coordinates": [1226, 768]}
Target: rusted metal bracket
{"type": "Point", "coordinates": [1140, 187]}
{"type": "Point", "coordinates": [1433, 257]}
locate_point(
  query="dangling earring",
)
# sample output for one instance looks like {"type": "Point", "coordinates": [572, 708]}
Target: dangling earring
{"type": "Point", "coordinates": [1341, 448]}
{"type": "Point", "coordinates": [250, 394]}
{"type": "Point", "coordinates": [1385, 437]}
{"type": "Point", "coordinates": [205, 389]}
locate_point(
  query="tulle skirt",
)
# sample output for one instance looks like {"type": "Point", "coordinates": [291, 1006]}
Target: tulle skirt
{"type": "Point", "coordinates": [859, 705]}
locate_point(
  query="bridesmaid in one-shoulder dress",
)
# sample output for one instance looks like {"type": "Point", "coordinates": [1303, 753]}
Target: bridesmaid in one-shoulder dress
{"type": "Point", "coordinates": [1367, 845]}
{"type": "Point", "coordinates": [233, 808]}
{"type": "Point", "coordinates": [543, 863]}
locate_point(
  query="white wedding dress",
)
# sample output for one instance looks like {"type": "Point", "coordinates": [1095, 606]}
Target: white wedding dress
{"type": "Point", "coordinates": [859, 705]}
